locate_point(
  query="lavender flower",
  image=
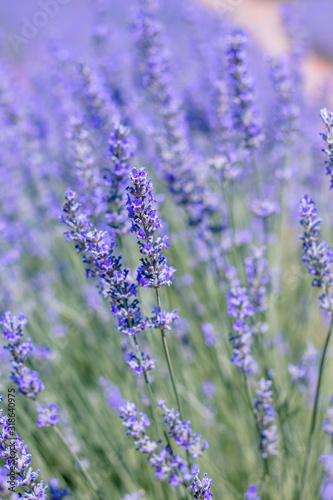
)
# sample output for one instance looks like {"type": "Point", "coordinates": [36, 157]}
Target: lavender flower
{"type": "Point", "coordinates": [327, 489]}
{"type": "Point", "coordinates": [251, 494]}
{"type": "Point", "coordinates": [305, 374]}
{"type": "Point", "coordinates": [257, 278]}
{"type": "Point", "coordinates": [24, 476]}
{"type": "Point", "coordinates": [57, 493]}
{"type": "Point", "coordinates": [134, 496]}
{"type": "Point", "coordinates": [245, 117]}
{"type": "Point", "coordinates": [140, 366]}
{"type": "Point", "coordinates": [166, 465]}
{"type": "Point", "coordinates": [201, 487]}
{"type": "Point", "coordinates": [154, 271]}
{"type": "Point", "coordinates": [27, 381]}
{"type": "Point", "coordinates": [112, 395]}
{"type": "Point", "coordinates": [265, 416]}
{"type": "Point", "coordinates": [327, 118]}
{"type": "Point", "coordinates": [287, 110]}
{"type": "Point", "coordinates": [47, 416]}
{"type": "Point", "coordinates": [240, 308]}
{"type": "Point", "coordinates": [182, 433]}
{"type": "Point", "coordinates": [316, 253]}
{"type": "Point", "coordinates": [116, 178]}
{"type": "Point", "coordinates": [209, 334]}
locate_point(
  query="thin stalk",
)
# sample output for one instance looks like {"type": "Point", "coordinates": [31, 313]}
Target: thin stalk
{"type": "Point", "coordinates": [79, 463]}
{"type": "Point", "coordinates": [168, 359]}
{"type": "Point", "coordinates": [314, 412]}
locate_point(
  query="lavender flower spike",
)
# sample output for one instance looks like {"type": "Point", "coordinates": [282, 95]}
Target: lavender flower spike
{"type": "Point", "coordinates": [327, 489]}
{"type": "Point", "coordinates": [251, 494]}
{"type": "Point", "coordinates": [265, 416]}
{"type": "Point", "coordinates": [316, 253]}
{"type": "Point", "coordinates": [327, 118]}
{"type": "Point", "coordinates": [201, 488]}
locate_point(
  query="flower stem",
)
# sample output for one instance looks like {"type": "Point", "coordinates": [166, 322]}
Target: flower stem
{"type": "Point", "coordinates": [168, 359]}
{"type": "Point", "coordinates": [314, 412]}
{"type": "Point", "coordinates": [79, 463]}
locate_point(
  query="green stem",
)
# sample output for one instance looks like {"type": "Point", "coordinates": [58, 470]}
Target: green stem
{"type": "Point", "coordinates": [314, 412]}
{"type": "Point", "coordinates": [79, 463]}
{"type": "Point", "coordinates": [168, 359]}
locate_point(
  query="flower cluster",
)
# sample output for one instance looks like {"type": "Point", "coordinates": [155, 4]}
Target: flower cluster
{"type": "Point", "coordinates": [201, 487]}
{"type": "Point", "coordinates": [328, 422]}
{"type": "Point", "coordinates": [154, 271]}
{"type": "Point", "coordinates": [287, 109]}
{"type": "Point", "coordinates": [316, 253]}
{"type": "Point", "coordinates": [27, 381]}
{"type": "Point", "coordinates": [17, 461]}
{"type": "Point", "coordinates": [305, 374]}
{"type": "Point", "coordinates": [167, 465]}
{"type": "Point", "coordinates": [182, 433]}
{"type": "Point", "coordinates": [251, 494]}
{"type": "Point", "coordinates": [114, 281]}
{"type": "Point", "coordinates": [327, 460]}
{"type": "Point", "coordinates": [47, 416]}
{"type": "Point", "coordinates": [257, 278]}
{"type": "Point", "coordinates": [56, 492]}
{"type": "Point", "coordinates": [244, 115]}
{"type": "Point", "coordinates": [116, 177]}
{"type": "Point", "coordinates": [112, 395]}
{"type": "Point", "coordinates": [265, 416]}
{"type": "Point", "coordinates": [140, 365]}
{"type": "Point", "coordinates": [240, 308]}
{"type": "Point", "coordinates": [327, 118]}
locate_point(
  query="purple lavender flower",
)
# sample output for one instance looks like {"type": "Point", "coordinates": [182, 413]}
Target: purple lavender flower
{"type": "Point", "coordinates": [57, 493]}
{"type": "Point", "coordinates": [257, 278]}
{"type": "Point", "coordinates": [251, 494]}
{"type": "Point", "coordinates": [209, 334]}
{"type": "Point", "coordinates": [47, 416]}
{"type": "Point", "coordinates": [201, 487]}
{"type": "Point", "coordinates": [305, 374]}
{"type": "Point", "coordinates": [264, 208]}
{"type": "Point", "coordinates": [116, 178]}
{"type": "Point", "coordinates": [154, 271]}
{"type": "Point", "coordinates": [25, 477]}
{"type": "Point", "coordinates": [327, 118]}
{"type": "Point", "coordinates": [316, 253]}
{"type": "Point", "coordinates": [245, 117]}
{"type": "Point", "coordinates": [182, 433]}
{"type": "Point", "coordinates": [140, 366]}
{"type": "Point", "coordinates": [134, 496]}
{"type": "Point", "coordinates": [112, 395]}
{"type": "Point", "coordinates": [265, 416]}
{"type": "Point", "coordinates": [240, 308]}
{"type": "Point", "coordinates": [327, 489]}
{"type": "Point", "coordinates": [27, 381]}
{"type": "Point", "coordinates": [166, 465]}
{"type": "Point", "coordinates": [285, 127]}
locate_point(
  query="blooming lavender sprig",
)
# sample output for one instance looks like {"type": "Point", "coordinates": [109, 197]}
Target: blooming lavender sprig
{"type": "Point", "coordinates": [305, 374]}
{"type": "Point", "coordinates": [47, 416]}
{"type": "Point", "coordinates": [112, 395]}
{"type": "Point", "coordinates": [177, 163]}
{"type": "Point", "coordinates": [327, 489]}
{"type": "Point", "coordinates": [182, 433]}
{"type": "Point", "coordinates": [256, 269]}
{"type": "Point", "coordinates": [116, 178]}
{"type": "Point", "coordinates": [17, 458]}
{"type": "Point", "coordinates": [245, 116]}
{"type": "Point", "coordinates": [265, 416]}
{"type": "Point", "coordinates": [327, 118]}
{"type": "Point", "coordinates": [240, 308]}
{"type": "Point", "coordinates": [316, 253]}
{"type": "Point", "coordinates": [27, 381]}
{"type": "Point", "coordinates": [201, 487]}
{"type": "Point", "coordinates": [167, 465]}
{"type": "Point", "coordinates": [86, 168]}
{"type": "Point", "coordinates": [56, 492]}
{"type": "Point", "coordinates": [140, 365]}
{"type": "Point", "coordinates": [134, 496]}
{"type": "Point", "coordinates": [154, 271]}
{"type": "Point", "coordinates": [114, 281]}
{"type": "Point", "coordinates": [251, 494]}
{"type": "Point", "coordinates": [285, 127]}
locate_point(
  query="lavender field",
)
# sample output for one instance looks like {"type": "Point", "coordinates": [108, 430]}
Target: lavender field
{"type": "Point", "coordinates": [165, 263]}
